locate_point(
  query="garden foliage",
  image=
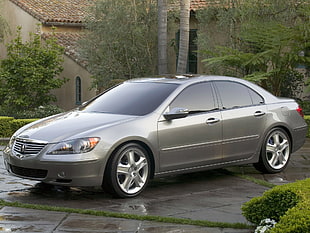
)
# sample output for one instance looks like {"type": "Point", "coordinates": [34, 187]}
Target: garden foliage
{"type": "Point", "coordinates": [120, 42]}
{"type": "Point", "coordinates": [8, 125]}
{"type": "Point", "coordinates": [288, 205]}
{"type": "Point", "coordinates": [264, 41]}
{"type": "Point", "coordinates": [29, 73]}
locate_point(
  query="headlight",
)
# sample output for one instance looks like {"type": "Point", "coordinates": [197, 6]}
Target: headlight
{"type": "Point", "coordinates": [76, 146]}
{"type": "Point", "coordinates": [11, 142]}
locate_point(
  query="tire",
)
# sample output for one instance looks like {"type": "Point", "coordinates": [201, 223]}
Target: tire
{"type": "Point", "coordinates": [128, 171]}
{"type": "Point", "coordinates": [275, 153]}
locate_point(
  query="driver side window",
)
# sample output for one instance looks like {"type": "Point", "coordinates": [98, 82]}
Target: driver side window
{"type": "Point", "coordinates": [198, 97]}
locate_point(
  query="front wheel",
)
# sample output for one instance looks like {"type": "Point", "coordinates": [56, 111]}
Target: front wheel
{"type": "Point", "coordinates": [275, 152]}
{"type": "Point", "coordinates": [128, 171]}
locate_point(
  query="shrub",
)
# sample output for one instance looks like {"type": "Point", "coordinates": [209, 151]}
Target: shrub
{"type": "Point", "coordinates": [8, 125]}
{"type": "Point", "coordinates": [296, 220]}
{"type": "Point", "coordinates": [273, 204]}
{"type": "Point", "coordinates": [30, 71]}
{"type": "Point", "coordinates": [307, 119]}
{"type": "Point", "coordinates": [305, 106]}
{"type": "Point", "coordinates": [39, 112]}
{"type": "Point", "coordinates": [289, 205]}
{"type": "Point", "coordinates": [5, 128]}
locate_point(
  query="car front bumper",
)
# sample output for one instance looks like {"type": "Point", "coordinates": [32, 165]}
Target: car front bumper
{"type": "Point", "coordinates": [67, 172]}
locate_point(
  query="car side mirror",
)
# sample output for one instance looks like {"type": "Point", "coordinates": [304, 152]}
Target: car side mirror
{"type": "Point", "coordinates": [176, 113]}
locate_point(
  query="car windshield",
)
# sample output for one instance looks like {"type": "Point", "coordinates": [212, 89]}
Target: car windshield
{"type": "Point", "coordinates": [131, 98]}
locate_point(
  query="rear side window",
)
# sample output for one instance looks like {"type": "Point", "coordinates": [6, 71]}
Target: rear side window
{"type": "Point", "coordinates": [256, 98]}
{"type": "Point", "coordinates": [234, 95]}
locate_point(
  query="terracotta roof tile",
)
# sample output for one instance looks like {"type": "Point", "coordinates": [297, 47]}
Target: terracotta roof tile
{"type": "Point", "coordinates": [69, 41]}
{"type": "Point", "coordinates": [199, 4]}
{"type": "Point", "coordinates": [60, 11]}
{"type": "Point", "coordinates": [74, 11]}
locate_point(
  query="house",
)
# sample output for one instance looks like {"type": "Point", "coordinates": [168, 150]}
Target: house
{"type": "Point", "coordinates": [67, 16]}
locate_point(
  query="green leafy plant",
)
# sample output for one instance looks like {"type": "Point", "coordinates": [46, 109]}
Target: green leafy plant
{"type": "Point", "coordinates": [120, 42]}
{"type": "Point", "coordinates": [287, 204]}
{"type": "Point", "coordinates": [296, 220]}
{"type": "Point", "coordinates": [29, 72]}
{"type": "Point", "coordinates": [307, 119]}
{"type": "Point", "coordinates": [5, 127]}
{"type": "Point", "coordinates": [264, 42]}
{"type": "Point", "coordinates": [272, 205]}
{"type": "Point", "coordinates": [8, 125]}
{"type": "Point", "coordinates": [38, 112]}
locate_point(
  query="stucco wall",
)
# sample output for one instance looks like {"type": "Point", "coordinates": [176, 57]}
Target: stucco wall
{"type": "Point", "coordinates": [66, 96]}
{"type": "Point", "coordinates": [15, 17]}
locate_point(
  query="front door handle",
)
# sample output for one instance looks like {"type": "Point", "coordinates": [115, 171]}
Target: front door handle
{"type": "Point", "coordinates": [212, 120]}
{"type": "Point", "coordinates": [259, 113]}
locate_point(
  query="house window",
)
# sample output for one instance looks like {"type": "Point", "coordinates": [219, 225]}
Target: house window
{"type": "Point", "coordinates": [192, 51]}
{"type": "Point", "coordinates": [78, 91]}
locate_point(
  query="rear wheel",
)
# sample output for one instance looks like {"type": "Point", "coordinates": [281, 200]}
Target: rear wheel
{"type": "Point", "coordinates": [275, 152]}
{"type": "Point", "coordinates": [128, 171]}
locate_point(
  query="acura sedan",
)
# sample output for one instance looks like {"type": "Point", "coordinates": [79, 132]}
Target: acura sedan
{"type": "Point", "coordinates": [154, 127]}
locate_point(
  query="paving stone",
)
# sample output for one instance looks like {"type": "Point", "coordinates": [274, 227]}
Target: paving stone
{"type": "Point", "coordinates": [211, 195]}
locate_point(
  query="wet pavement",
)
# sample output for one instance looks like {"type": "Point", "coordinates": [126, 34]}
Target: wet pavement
{"type": "Point", "coordinates": [212, 195]}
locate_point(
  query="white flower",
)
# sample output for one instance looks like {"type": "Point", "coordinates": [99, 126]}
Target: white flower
{"type": "Point", "coordinates": [265, 225]}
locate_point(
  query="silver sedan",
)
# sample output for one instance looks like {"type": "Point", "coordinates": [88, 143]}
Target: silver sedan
{"type": "Point", "coordinates": [154, 127]}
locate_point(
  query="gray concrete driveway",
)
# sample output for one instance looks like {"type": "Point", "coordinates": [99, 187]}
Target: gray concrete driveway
{"type": "Point", "coordinates": [212, 195]}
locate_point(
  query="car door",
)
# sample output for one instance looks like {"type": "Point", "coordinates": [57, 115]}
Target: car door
{"type": "Point", "coordinates": [243, 119]}
{"type": "Point", "coordinates": [195, 139]}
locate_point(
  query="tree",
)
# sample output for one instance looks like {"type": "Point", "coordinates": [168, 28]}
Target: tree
{"type": "Point", "coordinates": [28, 74]}
{"type": "Point", "coordinates": [184, 36]}
{"type": "Point", "coordinates": [120, 42]}
{"type": "Point", "coordinates": [162, 37]}
{"type": "Point", "coordinates": [264, 43]}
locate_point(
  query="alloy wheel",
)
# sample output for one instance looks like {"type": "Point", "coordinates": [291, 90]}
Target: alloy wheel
{"type": "Point", "coordinates": [132, 170]}
{"type": "Point", "coordinates": [277, 150]}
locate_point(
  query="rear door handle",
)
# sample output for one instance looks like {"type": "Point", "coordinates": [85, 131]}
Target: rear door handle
{"type": "Point", "coordinates": [259, 113]}
{"type": "Point", "coordinates": [212, 120]}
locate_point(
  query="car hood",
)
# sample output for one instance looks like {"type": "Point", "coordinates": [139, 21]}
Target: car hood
{"type": "Point", "coordinates": [70, 125]}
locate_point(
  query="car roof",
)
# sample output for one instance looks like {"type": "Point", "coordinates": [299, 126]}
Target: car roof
{"type": "Point", "coordinates": [188, 79]}
{"type": "Point", "coordinates": [180, 79]}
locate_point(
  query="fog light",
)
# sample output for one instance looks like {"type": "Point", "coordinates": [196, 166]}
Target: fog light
{"type": "Point", "coordinates": [61, 175]}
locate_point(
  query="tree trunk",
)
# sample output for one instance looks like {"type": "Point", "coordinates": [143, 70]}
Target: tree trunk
{"type": "Point", "coordinates": [184, 36]}
{"type": "Point", "coordinates": [162, 37]}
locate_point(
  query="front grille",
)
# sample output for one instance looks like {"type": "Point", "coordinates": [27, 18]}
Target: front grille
{"type": "Point", "coordinates": [25, 147]}
{"type": "Point", "coordinates": [28, 172]}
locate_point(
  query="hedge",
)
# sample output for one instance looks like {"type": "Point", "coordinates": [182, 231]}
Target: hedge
{"type": "Point", "coordinates": [307, 119]}
{"type": "Point", "coordinates": [288, 205]}
{"type": "Point", "coordinates": [8, 125]}
{"type": "Point", "coordinates": [5, 126]}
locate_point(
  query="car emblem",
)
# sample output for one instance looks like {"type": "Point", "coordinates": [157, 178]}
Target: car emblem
{"type": "Point", "coordinates": [23, 149]}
